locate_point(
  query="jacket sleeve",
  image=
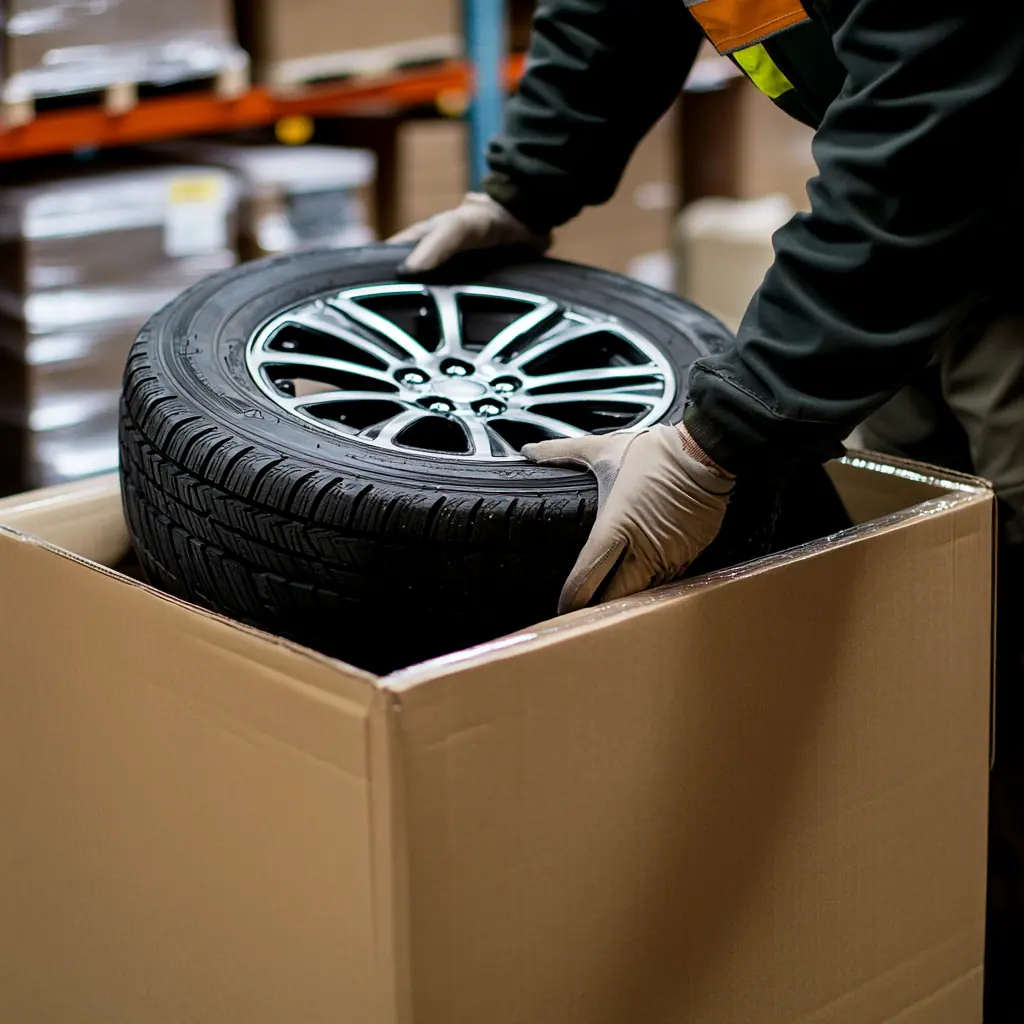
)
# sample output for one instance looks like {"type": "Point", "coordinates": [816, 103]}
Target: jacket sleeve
{"type": "Point", "coordinates": [919, 160]}
{"type": "Point", "coordinates": [599, 74]}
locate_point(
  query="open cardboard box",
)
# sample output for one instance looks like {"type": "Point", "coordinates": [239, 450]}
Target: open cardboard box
{"type": "Point", "coordinates": [758, 796]}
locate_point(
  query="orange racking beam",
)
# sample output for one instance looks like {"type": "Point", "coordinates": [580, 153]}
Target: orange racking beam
{"type": "Point", "coordinates": [64, 131]}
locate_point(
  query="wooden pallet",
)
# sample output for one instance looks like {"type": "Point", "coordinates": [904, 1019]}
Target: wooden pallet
{"type": "Point", "coordinates": [118, 98]}
{"type": "Point", "coordinates": [292, 76]}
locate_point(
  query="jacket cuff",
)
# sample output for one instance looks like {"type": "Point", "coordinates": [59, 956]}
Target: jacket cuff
{"type": "Point", "coordinates": [525, 205]}
{"type": "Point", "coordinates": [742, 450]}
{"type": "Point", "coordinates": [712, 439]}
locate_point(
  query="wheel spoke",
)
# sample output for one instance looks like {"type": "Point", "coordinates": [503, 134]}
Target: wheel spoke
{"type": "Point", "coordinates": [372, 363]}
{"type": "Point", "coordinates": [546, 423]}
{"type": "Point", "coordinates": [502, 448]}
{"type": "Point", "coordinates": [393, 427]}
{"type": "Point", "coordinates": [514, 331]}
{"type": "Point", "coordinates": [594, 376]}
{"type": "Point", "coordinates": [338, 396]}
{"type": "Point", "coordinates": [345, 304]}
{"type": "Point", "coordinates": [549, 342]}
{"type": "Point", "coordinates": [579, 397]}
{"type": "Point", "coordinates": [478, 435]}
{"type": "Point", "coordinates": [326, 320]}
{"type": "Point", "coordinates": [296, 359]}
{"type": "Point", "coordinates": [447, 302]}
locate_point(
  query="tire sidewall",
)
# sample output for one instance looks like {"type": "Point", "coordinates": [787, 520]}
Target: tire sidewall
{"type": "Point", "coordinates": [199, 345]}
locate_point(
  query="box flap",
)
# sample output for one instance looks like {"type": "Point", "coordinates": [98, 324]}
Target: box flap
{"type": "Point", "coordinates": [201, 823]}
{"type": "Point", "coordinates": [716, 804]}
{"type": "Point", "coordinates": [84, 517]}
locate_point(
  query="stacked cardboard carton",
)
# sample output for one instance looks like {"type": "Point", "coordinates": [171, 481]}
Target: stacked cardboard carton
{"type": "Point", "coordinates": [56, 47]}
{"type": "Point", "coordinates": [87, 259]}
{"type": "Point", "coordinates": [623, 816]}
{"type": "Point", "coordinates": [620, 236]}
{"type": "Point", "coordinates": [295, 41]}
{"type": "Point", "coordinates": [291, 197]}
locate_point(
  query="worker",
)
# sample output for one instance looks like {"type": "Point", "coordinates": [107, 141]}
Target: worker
{"type": "Point", "coordinates": [896, 300]}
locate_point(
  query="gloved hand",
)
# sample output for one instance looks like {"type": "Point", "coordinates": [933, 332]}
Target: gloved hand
{"type": "Point", "coordinates": [659, 507]}
{"type": "Point", "coordinates": [478, 222]}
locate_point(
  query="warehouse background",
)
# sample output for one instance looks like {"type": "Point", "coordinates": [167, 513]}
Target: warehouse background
{"type": "Point", "coordinates": [146, 144]}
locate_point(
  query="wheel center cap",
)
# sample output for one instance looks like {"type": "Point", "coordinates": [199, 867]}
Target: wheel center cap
{"type": "Point", "coordinates": [459, 390]}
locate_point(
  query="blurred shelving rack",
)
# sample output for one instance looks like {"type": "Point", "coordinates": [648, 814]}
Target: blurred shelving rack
{"type": "Point", "coordinates": [206, 113]}
{"type": "Point", "coordinates": [367, 111]}
{"type": "Point", "coordinates": [371, 109]}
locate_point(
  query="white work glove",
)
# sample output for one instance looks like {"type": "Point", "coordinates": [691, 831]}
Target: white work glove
{"type": "Point", "coordinates": [658, 509]}
{"type": "Point", "coordinates": [478, 222]}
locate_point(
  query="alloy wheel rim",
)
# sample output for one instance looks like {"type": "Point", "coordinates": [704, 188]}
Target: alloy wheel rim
{"type": "Point", "coordinates": [467, 372]}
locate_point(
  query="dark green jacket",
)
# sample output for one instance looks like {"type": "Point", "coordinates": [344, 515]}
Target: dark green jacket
{"type": "Point", "coordinates": [918, 108]}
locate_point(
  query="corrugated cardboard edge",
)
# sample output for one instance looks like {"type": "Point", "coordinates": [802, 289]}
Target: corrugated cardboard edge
{"type": "Point", "coordinates": [386, 767]}
{"type": "Point", "coordinates": [390, 862]}
{"type": "Point", "coordinates": [84, 515]}
{"type": "Point", "coordinates": [964, 491]}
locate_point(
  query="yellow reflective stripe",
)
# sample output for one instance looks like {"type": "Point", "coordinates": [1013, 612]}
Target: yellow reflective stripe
{"type": "Point", "coordinates": [763, 71]}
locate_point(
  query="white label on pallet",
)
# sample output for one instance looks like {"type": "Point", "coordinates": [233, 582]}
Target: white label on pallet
{"type": "Point", "coordinates": [197, 217]}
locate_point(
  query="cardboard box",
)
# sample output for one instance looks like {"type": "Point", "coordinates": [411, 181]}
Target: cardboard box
{"type": "Point", "coordinates": [63, 452]}
{"type": "Point", "coordinates": [85, 259]}
{"type": "Point", "coordinates": [295, 41]}
{"type": "Point", "coordinates": [637, 220]}
{"type": "Point", "coordinates": [776, 155]}
{"type": "Point", "coordinates": [291, 197]}
{"type": "Point", "coordinates": [432, 168]}
{"type": "Point", "coordinates": [758, 796]}
{"type": "Point", "coordinates": [433, 175]}
{"type": "Point", "coordinates": [738, 143]}
{"type": "Point", "coordinates": [89, 246]}
{"type": "Point", "coordinates": [724, 249]}
{"type": "Point", "coordinates": [56, 47]}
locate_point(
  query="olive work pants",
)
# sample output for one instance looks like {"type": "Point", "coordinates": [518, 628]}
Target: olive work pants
{"type": "Point", "coordinates": [966, 412]}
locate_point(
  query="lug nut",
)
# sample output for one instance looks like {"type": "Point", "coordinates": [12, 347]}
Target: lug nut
{"type": "Point", "coordinates": [505, 385]}
{"type": "Point", "coordinates": [439, 405]}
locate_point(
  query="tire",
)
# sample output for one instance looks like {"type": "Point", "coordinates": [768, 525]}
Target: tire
{"type": "Point", "coordinates": [380, 556]}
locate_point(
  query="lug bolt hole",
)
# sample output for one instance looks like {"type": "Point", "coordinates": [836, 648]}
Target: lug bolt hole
{"type": "Point", "coordinates": [488, 407]}
{"type": "Point", "coordinates": [456, 368]}
{"type": "Point", "coordinates": [438, 405]}
{"type": "Point", "coordinates": [506, 385]}
{"type": "Point", "coordinates": [411, 378]}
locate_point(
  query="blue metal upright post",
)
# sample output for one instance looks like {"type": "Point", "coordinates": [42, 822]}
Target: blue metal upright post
{"type": "Point", "coordinates": [487, 49]}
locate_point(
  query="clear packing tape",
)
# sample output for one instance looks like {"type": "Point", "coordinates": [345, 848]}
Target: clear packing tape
{"type": "Point", "coordinates": [54, 49]}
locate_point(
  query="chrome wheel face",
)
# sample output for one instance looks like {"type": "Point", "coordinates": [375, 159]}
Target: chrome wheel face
{"type": "Point", "coordinates": [468, 372]}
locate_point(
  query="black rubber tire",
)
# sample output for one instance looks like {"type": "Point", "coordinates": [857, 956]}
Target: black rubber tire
{"type": "Point", "coordinates": [377, 557]}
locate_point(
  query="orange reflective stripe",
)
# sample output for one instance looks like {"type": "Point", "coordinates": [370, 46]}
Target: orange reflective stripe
{"type": "Point", "coordinates": [734, 24]}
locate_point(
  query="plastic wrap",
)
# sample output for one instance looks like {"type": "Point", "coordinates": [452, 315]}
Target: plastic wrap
{"type": "Point", "coordinates": [99, 247]}
{"type": "Point", "coordinates": [61, 379]}
{"type": "Point", "coordinates": [86, 261]}
{"type": "Point", "coordinates": [58, 48]}
{"type": "Point", "coordinates": [292, 198]}
{"type": "Point", "coordinates": [71, 453]}
{"type": "Point", "coordinates": [59, 395]}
